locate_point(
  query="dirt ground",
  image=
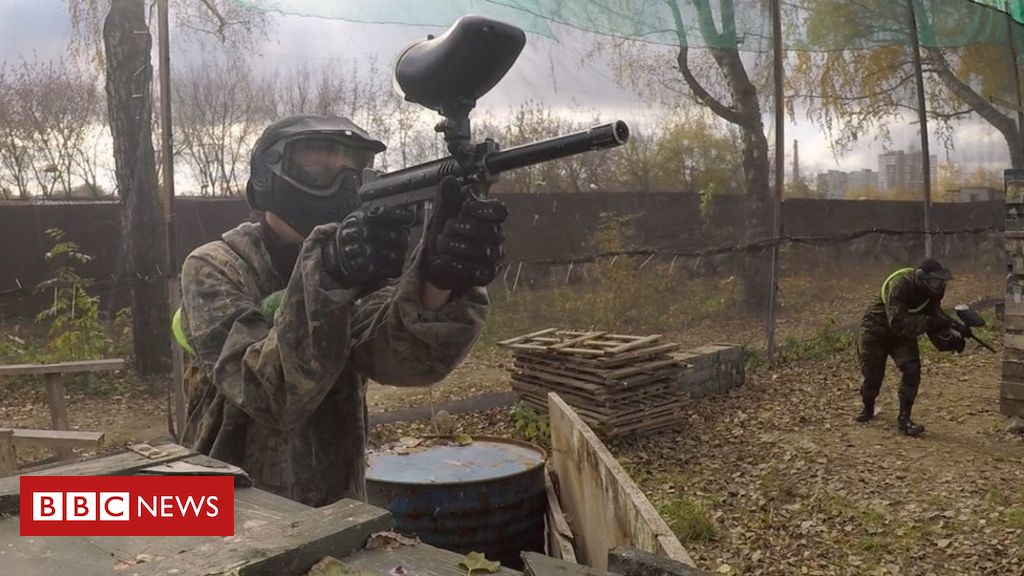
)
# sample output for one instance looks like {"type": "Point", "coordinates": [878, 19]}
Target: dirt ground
{"type": "Point", "coordinates": [772, 478]}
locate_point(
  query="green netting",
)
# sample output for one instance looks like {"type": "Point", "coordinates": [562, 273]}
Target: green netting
{"type": "Point", "coordinates": [811, 25]}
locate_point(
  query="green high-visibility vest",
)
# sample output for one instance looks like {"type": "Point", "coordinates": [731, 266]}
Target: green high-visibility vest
{"type": "Point", "coordinates": [269, 307]}
{"type": "Point", "coordinates": [179, 334]}
{"type": "Point", "coordinates": [902, 272]}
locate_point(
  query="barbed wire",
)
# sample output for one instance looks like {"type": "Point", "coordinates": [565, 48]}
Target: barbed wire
{"type": "Point", "coordinates": [650, 253]}
{"type": "Point", "coordinates": [756, 246]}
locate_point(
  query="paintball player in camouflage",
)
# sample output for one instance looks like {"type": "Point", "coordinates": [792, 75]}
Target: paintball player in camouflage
{"type": "Point", "coordinates": [909, 305]}
{"type": "Point", "coordinates": [287, 318]}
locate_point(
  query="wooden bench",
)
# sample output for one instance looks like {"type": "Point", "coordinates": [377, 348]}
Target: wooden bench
{"type": "Point", "coordinates": [11, 438]}
{"type": "Point", "coordinates": [54, 376]}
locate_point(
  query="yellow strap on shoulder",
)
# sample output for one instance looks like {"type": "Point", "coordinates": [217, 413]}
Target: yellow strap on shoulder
{"type": "Point", "coordinates": [179, 334]}
{"type": "Point", "coordinates": [893, 276]}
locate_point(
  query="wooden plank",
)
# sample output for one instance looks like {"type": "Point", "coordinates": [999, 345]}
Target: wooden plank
{"type": "Point", "coordinates": [415, 559]}
{"type": "Point", "coordinates": [1014, 341]}
{"type": "Point", "coordinates": [607, 508]}
{"type": "Point", "coordinates": [57, 438]}
{"type": "Point", "coordinates": [559, 532]}
{"type": "Point", "coordinates": [641, 368]}
{"type": "Point", "coordinates": [577, 340]}
{"type": "Point", "coordinates": [8, 455]}
{"type": "Point", "coordinates": [634, 344]}
{"type": "Point", "coordinates": [288, 546]}
{"type": "Point", "coordinates": [1012, 390]}
{"type": "Point", "coordinates": [58, 408]}
{"type": "Point", "coordinates": [106, 365]}
{"type": "Point", "coordinates": [1013, 321]}
{"type": "Point", "coordinates": [118, 464]}
{"type": "Point", "coordinates": [525, 337]}
{"type": "Point", "coordinates": [540, 565]}
{"type": "Point", "coordinates": [632, 562]}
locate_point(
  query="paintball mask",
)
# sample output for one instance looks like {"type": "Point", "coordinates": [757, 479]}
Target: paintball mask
{"type": "Point", "coordinates": [307, 169]}
{"type": "Point", "coordinates": [933, 276]}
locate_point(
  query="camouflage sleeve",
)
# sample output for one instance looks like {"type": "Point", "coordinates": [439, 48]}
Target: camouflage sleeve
{"type": "Point", "coordinates": [902, 321]}
{"type": "Point", "coordinates": [400, 343]}
{"type": "Point", "coordinates": [278, 369]}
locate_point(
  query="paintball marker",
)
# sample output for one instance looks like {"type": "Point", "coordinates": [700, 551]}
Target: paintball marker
{"type": "Point", "coordinates": [972, 319]}
{"type": "Point", "coordinates": [448, 74]}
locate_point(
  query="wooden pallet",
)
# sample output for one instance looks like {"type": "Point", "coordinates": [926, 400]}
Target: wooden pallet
{"type": "Point", "coordinates": [618, 383]}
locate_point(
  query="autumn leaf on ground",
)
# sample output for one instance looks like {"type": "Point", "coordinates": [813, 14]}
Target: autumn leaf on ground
{"type": "Point", "coordinates": [476, 561]}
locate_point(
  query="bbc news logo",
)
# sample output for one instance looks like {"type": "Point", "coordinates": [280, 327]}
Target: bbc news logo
{"type": "Point", "coordinates": [127, 506]}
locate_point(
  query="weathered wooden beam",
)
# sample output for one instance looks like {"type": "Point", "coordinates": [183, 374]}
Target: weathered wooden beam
{"type": "Point", "coordinates": [124, 463]}
{"type": "Point", "coordinates": [58, 408]}
{"type": "Point", "coordinates": [106, 365]}
{"type": "Point", "coordinates": [57, 438]}
{"type": "Point", "coordinates": [288, 546]}
{"type": "Point", "coordinates": [8, 455]}
{"type": "Point", "coordinates": [540, 565]}
{"type": "Point", "coordinates": [383, 555]}
{"type": "Point", "coordinates": [559, 532]}
{"type": "Point", "coordinates": [607, 509]}
{"type": "Point", "coordinates": [633, 562]}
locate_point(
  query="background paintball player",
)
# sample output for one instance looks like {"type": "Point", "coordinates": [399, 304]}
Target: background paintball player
{"type": "Point", "coordinates": [285, 319]}
{"type": "Point", "coordinates": [909, 305]}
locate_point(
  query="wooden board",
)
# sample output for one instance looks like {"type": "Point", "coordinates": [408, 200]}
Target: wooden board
{"type": "Point", "coordinates": [416, 560]}
{"type": "Point", "coordinates": [62, 367]}
{"type": "Point", "coordinates": [559, 532]}
{"type": "Point", "coordinates": [57, 438]}
{"type": "Point", "coordinates": [607, 508]}
{"type": "Point", "coordinates": [124, 463]}
{"type": "Point", "coordinates": [103, 556]}
{"type": "Point", "coordinates": [540, 565]}
{"type": "Point", "coordinates": [8, 455]}
{"type": "Point", "coordinates": [284, 547]}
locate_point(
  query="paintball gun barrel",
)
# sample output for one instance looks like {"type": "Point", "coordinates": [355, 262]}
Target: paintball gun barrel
{"type": "Point", "coordinates": [417, 183]}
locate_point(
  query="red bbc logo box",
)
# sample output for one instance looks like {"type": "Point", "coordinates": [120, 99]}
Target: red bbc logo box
{"type": "Point", "coordinates": [127, 506]}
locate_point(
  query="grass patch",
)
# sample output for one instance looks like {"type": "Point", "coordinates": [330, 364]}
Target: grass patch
{"type": "Point", "coordinates": [688, 518]}
{"type": "Point", "coordinates": [1015, 518]}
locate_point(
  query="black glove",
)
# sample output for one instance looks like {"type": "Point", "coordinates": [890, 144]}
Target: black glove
{"type": "Point", "coordinates": [938, 323]}
{"type": "Point", "coordinates": [464, 239]}
{"type": "Point", "coordinates": [963, 329]}
{"type": "Point", "coordinates": [369, 248]}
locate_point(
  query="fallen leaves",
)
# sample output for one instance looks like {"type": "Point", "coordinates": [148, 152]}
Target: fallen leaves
{"type": "Point", "coordinates": [475, 561]}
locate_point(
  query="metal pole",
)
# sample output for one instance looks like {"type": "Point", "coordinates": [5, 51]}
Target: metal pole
{"type": "Point", "coordinates": [167, 167]}
{"type": "Point", "coordinates": [780, 170]}
{"type": "Point", "coordinates": [926, 161]}
{"type": "Point", "coordinates": [1016, 74]}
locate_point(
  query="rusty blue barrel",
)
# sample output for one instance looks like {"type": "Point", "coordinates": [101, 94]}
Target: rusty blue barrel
{"type": "Point", "coordinates": [487, 496]}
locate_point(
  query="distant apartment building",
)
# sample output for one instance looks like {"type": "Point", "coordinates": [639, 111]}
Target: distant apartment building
{"type": "Point", "coordinates": [832, 184]}
{"type": "Point", "coordinates": [836, 184]}
{"type": "Point", "coordinates": [862, 181]}
{"type": "Point", "coordinates": [902, 170]}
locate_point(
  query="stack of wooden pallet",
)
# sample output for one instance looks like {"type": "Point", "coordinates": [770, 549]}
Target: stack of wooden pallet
{"type": "Point", "coordinates": [620, 384]}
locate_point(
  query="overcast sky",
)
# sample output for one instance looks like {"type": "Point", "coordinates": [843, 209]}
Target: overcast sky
{"type": "Point", "coordinates": [548, 71]}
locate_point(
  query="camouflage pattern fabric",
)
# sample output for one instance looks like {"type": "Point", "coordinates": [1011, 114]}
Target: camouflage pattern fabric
{"type": "Point", "coordinates": [283, 395]}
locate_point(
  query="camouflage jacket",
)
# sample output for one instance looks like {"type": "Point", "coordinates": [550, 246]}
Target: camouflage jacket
{"type": "Point", "coordinates": [284, 397]}
{"type": "Point", "coordinates": [902, 307]}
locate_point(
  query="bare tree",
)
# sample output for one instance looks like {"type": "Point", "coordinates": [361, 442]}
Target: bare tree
{"type": "Point", "coordinates": [48, 123]}
{"type": "Point", "coordinates": [218, 114]}
{"type": "Point", "coordinates": [118, 34]}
